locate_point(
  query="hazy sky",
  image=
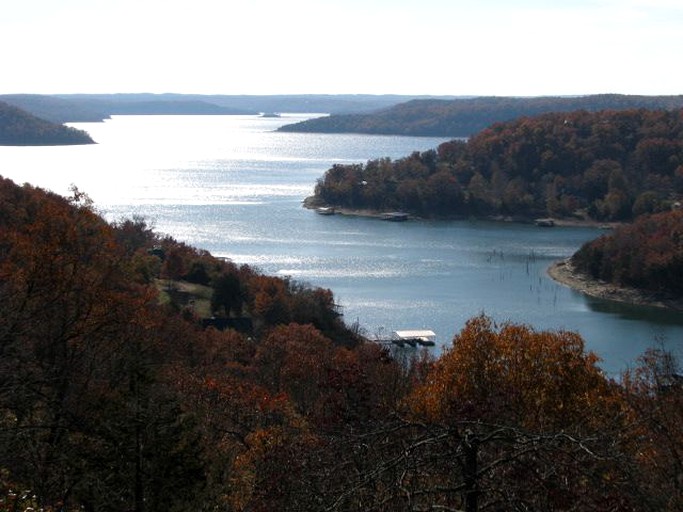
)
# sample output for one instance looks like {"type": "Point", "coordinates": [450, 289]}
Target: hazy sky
{"type": "Point", "coordinates": [471, 47]}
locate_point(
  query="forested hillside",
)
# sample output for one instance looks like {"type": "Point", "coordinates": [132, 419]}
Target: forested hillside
{"type": "Point", "coordinates": [647, 255]}
{"type": "Point", "coordinates": [465, 117]}
{"type": "Point", "coordinates": [54, 109]}
{"type": "Point", "coordinates": [116, 395]}
{"type": "Point", "coordinates": [96, 107]}
{"type": "Point", "coordinates": [19, 128]}
{"type": "Point", "coordinates": [608, 166]}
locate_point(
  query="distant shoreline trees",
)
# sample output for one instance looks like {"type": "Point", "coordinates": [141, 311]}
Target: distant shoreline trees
{"type": "Point", "coordinates": [464, 117]}
{"type": "Point", "coordinates": [19, 128]}
{"type": "Point", "coordinates": [604, 166]}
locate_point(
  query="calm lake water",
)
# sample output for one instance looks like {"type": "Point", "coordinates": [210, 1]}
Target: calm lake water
{"type": "Point", "coordinates": [234, 186]}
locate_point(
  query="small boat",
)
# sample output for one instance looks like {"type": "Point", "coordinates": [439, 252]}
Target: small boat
{"type": "Point", "coordinates": [325, 210]}
{"type": "Point", "coordinates": [394, 216]}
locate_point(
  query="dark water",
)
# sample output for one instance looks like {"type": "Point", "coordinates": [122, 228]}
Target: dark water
{"type": "Point", "coordinates": [234, 187]}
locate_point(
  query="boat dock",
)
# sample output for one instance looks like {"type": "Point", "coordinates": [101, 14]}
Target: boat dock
{"type": "Point", "coordinates": [411, 338]}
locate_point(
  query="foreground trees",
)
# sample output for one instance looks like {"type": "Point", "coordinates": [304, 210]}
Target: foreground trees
{"type": "Point", "coordinates": [113, 399]}
{"type": "Point", "coordinates": [508, 418]}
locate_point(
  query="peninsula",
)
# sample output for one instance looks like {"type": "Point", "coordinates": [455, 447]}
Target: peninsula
{"type": "Point", "coordinates": [639, 263]}
{"type": "Point", "coordinates": [19, 128]}
{"type": "Point", "coordinates": [608, 166]}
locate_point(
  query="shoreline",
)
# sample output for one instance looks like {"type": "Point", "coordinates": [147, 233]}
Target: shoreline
{"type": "Point", "coordinates": [312, 203]}
{"type": "Point", "coordinates": [563, 272]}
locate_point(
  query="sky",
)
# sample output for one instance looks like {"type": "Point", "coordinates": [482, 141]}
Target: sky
{"type": "Point", "coordinates": [414, 47]}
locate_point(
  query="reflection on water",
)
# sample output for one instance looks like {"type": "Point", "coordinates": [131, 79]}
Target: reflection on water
{"type": "Point", "coordinates": [655, 315]}
{"type": "Point", "coordinates": [230, 185]}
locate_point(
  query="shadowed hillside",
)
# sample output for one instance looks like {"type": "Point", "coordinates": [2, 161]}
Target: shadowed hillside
{"type": "Point", "coordinates": [19, 128]}
{"type": "Point", "coordinates": [465, 117]}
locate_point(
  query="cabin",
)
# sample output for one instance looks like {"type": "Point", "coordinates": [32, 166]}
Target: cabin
{"type": "Point", "coordinates": [425, 338]}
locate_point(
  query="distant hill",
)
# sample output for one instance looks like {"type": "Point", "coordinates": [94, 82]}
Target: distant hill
{"type": "Point", "coordinates": [97, 107]}
{"type": "Point", "coordinates": [250, 104]}
{"type": "Point", "coordinates": [164, 107]}
{"type": "Point", "coordinates": [57, 110]}
{"type": "Point", "coordinates": [19, 128]}
{"type": "Point", "coordinates": [465, 117]}
{"type": "Point", "coordinates": [94, 108]}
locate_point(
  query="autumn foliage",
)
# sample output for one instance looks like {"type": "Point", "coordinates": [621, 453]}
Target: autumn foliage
{"type": "Point", "coordinates": [513, 374]}
{"type": "Point", "coordinates": [114, 395]}
{"type": "Point", "coordinates": [607, 165]}
{"type": "Point", "coordinates": [647, 254]}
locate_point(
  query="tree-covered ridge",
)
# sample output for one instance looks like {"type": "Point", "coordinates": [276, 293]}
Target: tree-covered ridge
{"type": "Point", "coordinates": [96, 107]}
{"type": "Point", "coordinates": [114, 396]}
{"type": "Point", "coordinates": [647, 255]}
{"type": "Point", "coordinates": [54, 109]}
{"type": "Point", "coordinates": [607, 165]}
{"type": "Point", "coordinates": [465, 117]}
{"type": "Point", "coordinates": [19, 128]}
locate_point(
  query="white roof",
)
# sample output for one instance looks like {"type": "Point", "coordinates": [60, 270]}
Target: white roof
{"type": "Point", "coordinates": [415, 334]}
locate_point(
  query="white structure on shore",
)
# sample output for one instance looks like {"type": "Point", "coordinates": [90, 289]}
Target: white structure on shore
{"type": "Point", "coordinates": [423, 337]}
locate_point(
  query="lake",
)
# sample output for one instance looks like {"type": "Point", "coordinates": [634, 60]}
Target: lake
{"type": "Point", "coordinates": [234, 186]}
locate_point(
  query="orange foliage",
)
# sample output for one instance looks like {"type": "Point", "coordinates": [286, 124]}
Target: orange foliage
{"type": "Point", "coordinates": [512, 374]}
{"type": "Point", "coordinates": [269, 298]}
{"type": "Point", "coordinates": [294, 358]}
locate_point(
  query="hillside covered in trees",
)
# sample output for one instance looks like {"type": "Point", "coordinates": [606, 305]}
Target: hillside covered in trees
{"type": "Point", "coordinates": [607, 166]}
{"type": "Point", "coordinates": [97, 107]}
{"type": "Point", "coordinates": [19, 128]}
{"type": "Point", "coordinates": [116, 393]}
{"type": "Point", "coordinates": [647, 255]}
{"type": "Point", "coordinates": [466, 116]}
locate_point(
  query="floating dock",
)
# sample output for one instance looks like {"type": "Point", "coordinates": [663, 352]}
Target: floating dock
{"type": "Point", "coordinates": [411, 338]}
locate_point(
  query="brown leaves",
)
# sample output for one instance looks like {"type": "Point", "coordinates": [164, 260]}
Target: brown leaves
{"type": "Point", "coordinates": [512, 373]}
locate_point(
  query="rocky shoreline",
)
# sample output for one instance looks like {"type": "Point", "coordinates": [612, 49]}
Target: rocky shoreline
{"type": "Point", "coordinates": [564, 273]}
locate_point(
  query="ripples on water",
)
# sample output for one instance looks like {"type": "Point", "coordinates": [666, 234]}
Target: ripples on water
{"type": "Point", "coordinates": [233, 186]}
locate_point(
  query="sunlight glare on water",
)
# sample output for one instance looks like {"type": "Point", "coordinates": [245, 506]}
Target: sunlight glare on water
{"type": "Point", "coordinates": [233, 186]}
